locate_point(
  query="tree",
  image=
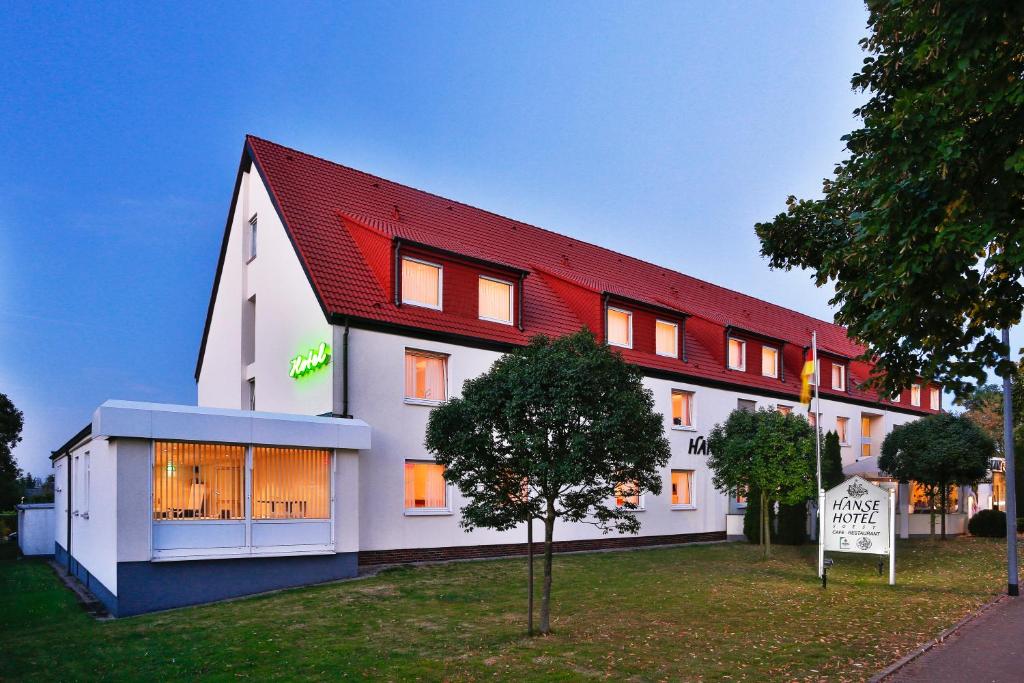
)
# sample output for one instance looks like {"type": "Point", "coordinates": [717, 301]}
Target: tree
{"type": "Point", "coordinates": [767, 452]}
{"type": "Point", "coordinates": [920, 227]}
{"type": "Point", "coordinates": [832, 462]}
{"type": "Point", "coordinates": [752, 521]}
{"type": "Point", "coordinates": [938, 451]}
{"type": "Point", "coordinates": [555, 430]}
{"type": "Point", "coordinates": [11, 423]}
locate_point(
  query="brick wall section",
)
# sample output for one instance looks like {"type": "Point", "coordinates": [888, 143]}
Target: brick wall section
{"type": "Point", "coordinates": [467, 552]}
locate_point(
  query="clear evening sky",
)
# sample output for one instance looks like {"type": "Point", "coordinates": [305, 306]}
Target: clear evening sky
{"type": "Point", "coordinates": [661, 130]}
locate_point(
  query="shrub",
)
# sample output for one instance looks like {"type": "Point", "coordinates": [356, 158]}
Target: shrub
{"type": "Point", "coordinates": [792, 524]}
{"type": "Point", "coordinates": [988, 523]}
{"type": "Point", "coordinates": [752, 516]}
{"type": "Point", "coordinates": [1020, 525]}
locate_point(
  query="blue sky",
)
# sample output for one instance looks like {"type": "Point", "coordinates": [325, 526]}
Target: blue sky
{"type": "Point", "coordinates": [661, 130]}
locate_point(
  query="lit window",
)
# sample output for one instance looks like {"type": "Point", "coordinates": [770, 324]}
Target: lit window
{"type": "Point", "coordinates": [838, 377]}
{"type": "Point", "coordinates": [682, 489]}
{"type": "Point", "coordinates": [666, 338]}
{"type": "Point", "coordinates": [620, 328]}
{"type": "Point", "coordinates": [193, 481]}
{"type": "Point", "coordinates": [812, 420]}
{"type": "Point", "coordinates": [252, 238]}
{"type": "Point", "coordinates": [425, 487]}
{"type": "Point", "coordinates": [425, 379]}
{"type": "Point", "coordinates": [769, 361]}
{"type": "Point", "coordinates": [895, 397]}
{"type": "Point", "coordinates": [842, 429]}
{"type": "Point", "coordinates": [865, 436]}
{"type": "Point", "coordinates": [495, 300]}
{"type": "Point", "coordinates": [627, 496]}
{"type": "Point", "coordinates": [915, 394]}
{"type": "Point", "coordinates": [421, 283]}
{"type": "Point", "coordinates": [933, 398]}
{"type": "Point", "coordinates": [785, 410]}
{"type": "Point", "coordinates": [741, 498]}
{"type": "Point", "coordinates": [682, 408]}
{"type": "Point", "coordinates": [737, 354]}
{"type": "Point", "coordinates": [291, 483]}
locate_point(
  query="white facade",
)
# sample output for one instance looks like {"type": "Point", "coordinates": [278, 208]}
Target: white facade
{"type": "Point", "coordinates": [35, 528]}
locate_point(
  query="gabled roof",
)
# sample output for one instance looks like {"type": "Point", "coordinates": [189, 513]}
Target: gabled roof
{"type": "Point", "coordinates": [340, 221]}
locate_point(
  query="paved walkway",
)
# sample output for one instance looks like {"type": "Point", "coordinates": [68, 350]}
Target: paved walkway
{"type": "Point", "coordinates": [987, 649]}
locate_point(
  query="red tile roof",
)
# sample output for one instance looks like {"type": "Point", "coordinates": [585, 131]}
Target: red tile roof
{"type": "Point", "coordinates": [342, 222]}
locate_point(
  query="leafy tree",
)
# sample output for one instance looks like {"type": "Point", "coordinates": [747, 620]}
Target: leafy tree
{"type": "Point", "coordinates": [552, 431]}
{"type": "Point", "coordinates": [767, 452]}
{"type": "Point", "coordinates": [11, 423]}
{"type": "Point", "coordinates": [831, 462]}
{"type": "Point", "coordinates": [938, 451]}
{"type": "Point", "coordinates": [752, 521]}
{"type": "Point", "coordinates": [920, 227]}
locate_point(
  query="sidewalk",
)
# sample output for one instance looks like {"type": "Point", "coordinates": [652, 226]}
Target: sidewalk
{"type": "Point", "coordinates": [987, 649]}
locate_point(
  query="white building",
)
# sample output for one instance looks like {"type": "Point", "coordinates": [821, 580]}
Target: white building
{"type": "Point", "coordinates": [364, 302]}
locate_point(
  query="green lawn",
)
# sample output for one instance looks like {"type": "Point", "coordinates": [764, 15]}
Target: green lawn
{"type": "Point", "coordinates": [699, 612]}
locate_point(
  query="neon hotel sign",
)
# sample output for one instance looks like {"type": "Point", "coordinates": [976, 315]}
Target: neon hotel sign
{"type": "Point", "coordinates": [303, 364]}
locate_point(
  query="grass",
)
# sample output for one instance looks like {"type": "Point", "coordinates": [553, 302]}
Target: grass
{"type": "Point", "coordinates": [692, 613]}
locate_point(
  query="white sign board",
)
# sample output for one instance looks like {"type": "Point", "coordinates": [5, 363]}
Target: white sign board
{"type": "Point", "coordinates": [857, 518]}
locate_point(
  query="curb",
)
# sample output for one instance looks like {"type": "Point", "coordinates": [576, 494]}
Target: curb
{"type": "Point", "coordinates": [917, 652]}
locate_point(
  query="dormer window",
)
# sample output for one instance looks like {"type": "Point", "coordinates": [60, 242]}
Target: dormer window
{"type": "Point", "coordinates": [769, 361]}
{"type": "Point", "coordinates": [620, 328]}
{"type": "Point", "coordinates": [421, 283]}
{"type": "Point", "coordinates": [666, 339]}
{"type": "Point", "coordinates": [495, 300]}
{"type": "Point", "coordinates": [933, 398]}
{"type": "Point", "coordinates": [737, 354]}
{"type": "Point", "coordinates": [895, 397]}
{"type": "Point", "coordinates": [915, 395]}
{"type": "Point", "coordinates": [838, 377]}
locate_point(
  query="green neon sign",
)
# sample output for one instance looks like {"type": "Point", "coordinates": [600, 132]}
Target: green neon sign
{"type": "Point", "coordinates": [314, 360]}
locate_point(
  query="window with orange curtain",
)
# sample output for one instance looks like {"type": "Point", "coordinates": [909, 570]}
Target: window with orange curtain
{"type": "Point", "coordinates": [196, 481]}
{"type": "Point", "coordinates": [425, 376]}
{"type": "Point", "coordinates": [682, 488]}
{"type": "Point", "coordinates": [620, 327]}
{"type": "Point", "coordinates": [682, 408]}
{"type": "Point", "coordinates": [421, 283]}
{"type": "Point", "coordinates": [737, 354]}
{"type": "Point", "coordinates": [666, 339]}
{"type": "Point", "coordinates": [425, 487]}
{"type": "Point", "coordinates": [627, 493]}
{"type": "Point", "coordinates": [291, 483]}
{"type": "Point", "coordinates": [769, 361]}
{"type": "Point", "coordinates": [495, 300]}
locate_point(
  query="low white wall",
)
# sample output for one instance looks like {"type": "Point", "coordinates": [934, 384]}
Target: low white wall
{"type": "Point", "coordinates": [956, 523]}
{"type": "Point", "coordinates": [36, 528]}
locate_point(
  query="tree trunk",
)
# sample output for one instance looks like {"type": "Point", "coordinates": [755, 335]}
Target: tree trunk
{"type": "Point", "coordinates": [545, 600]}
{"type": "Point", "coordinates": [931, 514]}
{"type": "Point", "coordinates": [766, 532]}
{"type": "Point", "coordinates": [529, 575]}
{"type": "Point", "coordinates": [943, 495]}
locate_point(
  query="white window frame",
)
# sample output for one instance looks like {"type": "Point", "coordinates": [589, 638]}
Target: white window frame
{"type": "Point", "coordinates": [842, 372]}
{"type": "Point", "coordinates": [692, 427]}
{"type": "Point", "coordinates": [86, 483]}
{"type": "Point", "coordinates": [511, 300]}
{"type": "Point", "coordinates": [426, 512]}
{"type": "Point", "coordinates": [675, 338]}
{"type": "Point", "coordinates": [915, 393]}
{"type": "Point", "coordinates": [251, 239]}
{"type": "Point", "coordinates": [934, 398]}
{"type": "Point", "coordinates": [775, 350]}
{"type": "Point", "coordinates": [896, 398]}
{"type": "Point", "coordinates": [640, 506]}
{"type": "Point", "coordinates": [412, 400]}
{"type": "Point", "coordinates": [440, 285]}
{"type": "Point", "coordinates": [743, 355]}
{"type": "Point", "coordinates": [692, 505]}
{"type": "Point", "coordinates": [629, 327]}
{"type": "Point", "coordinates": [845, 436]}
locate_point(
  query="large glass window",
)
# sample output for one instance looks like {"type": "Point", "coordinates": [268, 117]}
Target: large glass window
{"type": "Point", "coordinates": [666, 342]}
{"type": "Point", "coordinates": [769, 361]}
{"type": "Point", "coordinates": [682, 489]}
{"type": "Point", "coordinates": [291, 483]}
{"type": "Point", "coordinates": [620, 328]}
{"type": "Point", "coordinates": [425, 487]}
{"type": "Point", "coordinates": [682, 408]}
{"type": "Point", "coordinates": [495, 300]}
{"type": "Point", "coordinates": [421, 283]}
{"type": "Point", "coordinates": [198, 481]}
{"type": "Point", "coordinates": [425, 376]}
{"type": "Point", "coordinates": [737, 354]}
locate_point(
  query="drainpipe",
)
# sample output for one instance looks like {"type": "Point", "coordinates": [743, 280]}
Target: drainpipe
{"type": "Point", "coordinates": [682, 329]}
{"type": "Point", "coordinates": [68, 499]}
{"type": "Point", "coordinates": [604, 320]}
{"type": "Point", "coordinates": [344, 372]}
{"type": "Point", "coordinates": [522, 276]}
{"type": "Point", "coordinates": [398, 273]}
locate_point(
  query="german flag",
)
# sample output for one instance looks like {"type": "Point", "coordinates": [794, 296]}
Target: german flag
{"type": "Point", "coordinates": [806, 375]}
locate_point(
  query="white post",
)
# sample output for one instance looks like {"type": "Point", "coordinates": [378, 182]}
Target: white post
{"type": "Point", "coordinates": [817, 456]}
{"type": "Point", "coordinates": [892, 536]}
{"type": "Point", "coordinates": [821, 532]}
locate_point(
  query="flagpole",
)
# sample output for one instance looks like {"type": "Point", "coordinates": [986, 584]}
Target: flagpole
{"type": "Point", "coordinates": [817, 455]}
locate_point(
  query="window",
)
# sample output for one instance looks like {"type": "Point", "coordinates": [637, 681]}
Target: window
{"type": "Point", "coordinates": [425, 377]}
{"type": "Point", "coordinates": [495, 300]}
{"type": "Point", "coordinates": [895, 397]}
{"type": "Point", "coordinates": [926, 499]}
{"type": "Point", "coordinates": [290, 483]}
{"type": "Point", "coordinates": [627, 496]}
{"type": "Point", "coordinates": [741, 498]}
{"type": "Point", "coordinates": [86, 484]}
{"type": "Point", "coordinates": [933, 398]}
{"type": "Point", "coordinates": [620, 328]}
{"type": "Point", "coordinates": [785, 410]}
{"type": "Point", "coordinates": [249, 331]}
{"type": "Point", "coordinates": [682, 489]}
{"type": "Point", "coordinates": [813, 381]}
{"type": "Point", "coordinates": [915, 394]}
{"type": "Point", "coordinates": [666, 341]}
{"type": "Point", "coordinates": [193, 481]}
{"type": "Point", "coordinates": [838, 377]}
{"type": "Point", "coordinates": [252, 239]}
{"type": "Point", "coordinates": [682, 408]}
{"type": "Point", "coordinates": [842, 429]}
{"type": "Point", "coordinates": [865, 436]}
{"type": "Point", "coordinates": [737, 354]}
{"type": "Point", "coordinates": [425, 487]}
{"type": "Point", "coordinates": [252, 394]}
{"type": "Point", "coordinates": [812, 419]}
{"type": "Point", "coordinates": [421, 283]}
{"type": "Point", "coordinates": [745, 405]}
{"type": "Point", "coordinates": [769, 361]}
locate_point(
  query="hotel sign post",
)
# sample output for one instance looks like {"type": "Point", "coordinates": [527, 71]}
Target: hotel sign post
{"type": "Point", "coordinates": [860, 517]}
